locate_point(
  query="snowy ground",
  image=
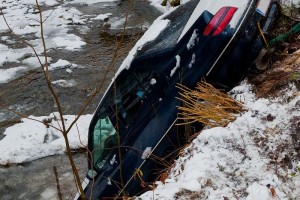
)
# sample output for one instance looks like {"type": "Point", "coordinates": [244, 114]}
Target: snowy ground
{"type": "Point", "coordinates": [241, 160]}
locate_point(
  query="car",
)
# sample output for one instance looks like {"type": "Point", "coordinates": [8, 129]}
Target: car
{"type": "Point", "coordinates": [132, 137]}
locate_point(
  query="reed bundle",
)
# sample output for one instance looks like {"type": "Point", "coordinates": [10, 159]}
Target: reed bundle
{"type": "Point", "coordinates": [207, 105]}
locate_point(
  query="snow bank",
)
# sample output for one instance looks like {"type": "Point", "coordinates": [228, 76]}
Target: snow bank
{"type": "Point", "coordinates": [31, 139]}
{"type": "Point", "coordinates": [8, 74]}
{"type": "Point", "coordinates": [234, 162]}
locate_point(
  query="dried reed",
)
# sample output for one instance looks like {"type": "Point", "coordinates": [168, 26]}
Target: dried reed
{"type": "Point", "coordinates": [207, 105]}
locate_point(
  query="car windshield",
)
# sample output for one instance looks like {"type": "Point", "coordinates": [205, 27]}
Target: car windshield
{"type": "Point", "coordinates": [121, 103]}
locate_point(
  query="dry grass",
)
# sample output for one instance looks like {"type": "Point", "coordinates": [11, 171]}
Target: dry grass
{"type": "Point", "coordinates": [207, 105]}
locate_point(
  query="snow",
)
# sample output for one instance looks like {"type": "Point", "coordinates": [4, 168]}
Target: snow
{"type": "Point", "coordinates": [89, 2]}
{"type": "Point", "coordinates": [154, 30]}
{"type": "Point", "coordinates": [226, 161]}
{"type": "Point", "coordinates": [221, 162]}
{"type": "Point", "coordinates": [257, 191]}
{"type": "Point", "coordinates": [192, 40]}
{"type": "Point", "coordinates": [60, 64]}
{"type": "Point", "coordinates": [49, 194]}
{"type": "Point", "coordinates": [152, 81]}
{"type": "Point", "coordinates": [56, 24]}
{"type": "Point", "coordinates": [69, 42]}
{"type": "Point", "coordinates": [7, 74]}
{"type": "Point", "coordinates": [33, 62]}
{"type": "Point", "coordinates": [31, 139]}
{"type": "Point", "coordinates": [102, 16]}
{"type": "Point", "coordinates": [65, 83]}
{"type": "Point", "coordinates": [192, 61]}
{"type": "Point", "coordinates": [290, 2]}
{"type": "Point", "coordinates": [10, 55]}
{"type": "Point", "coordinates": [146, 153]}
{"type": "Point", "coordinates": [176, 66]}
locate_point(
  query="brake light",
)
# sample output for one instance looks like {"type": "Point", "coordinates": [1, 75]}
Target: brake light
{"type": "Point", "coordinates": [219, 22]}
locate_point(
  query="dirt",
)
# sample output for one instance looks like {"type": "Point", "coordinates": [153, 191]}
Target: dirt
{"type": "Point", "coordinates": [284, 63]}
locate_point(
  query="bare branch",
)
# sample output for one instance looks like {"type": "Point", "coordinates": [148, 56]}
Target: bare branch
{"type": "Point", "coordinates": [26, 117]}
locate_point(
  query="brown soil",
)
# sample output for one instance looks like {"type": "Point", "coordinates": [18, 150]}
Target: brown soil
{"type": "Point", "coordinates": [284, 65]}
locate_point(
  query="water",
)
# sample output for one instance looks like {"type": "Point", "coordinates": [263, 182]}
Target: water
{"type": "Point", "coordinates": [28, 94]}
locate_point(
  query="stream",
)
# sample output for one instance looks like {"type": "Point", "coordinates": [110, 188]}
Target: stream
{"type": "Point", "coordinates": [28, 94]}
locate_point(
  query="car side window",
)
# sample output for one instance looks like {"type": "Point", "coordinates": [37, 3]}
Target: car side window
{"type": "Point", "coordinates": [130, 96]}
{"type": "Point", "coordinates": [104, 139]}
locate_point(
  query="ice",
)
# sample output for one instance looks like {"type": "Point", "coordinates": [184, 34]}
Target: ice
{"type": "Point", "coordinates": [8, 74]}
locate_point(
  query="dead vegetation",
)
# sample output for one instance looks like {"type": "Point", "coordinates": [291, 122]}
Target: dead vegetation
{"type": "Point", "coordinates": [284, 63]}
{"type": "Point", "coordinates": [207, 105]}
{"type": "Point", "coordinates": [274, 79]}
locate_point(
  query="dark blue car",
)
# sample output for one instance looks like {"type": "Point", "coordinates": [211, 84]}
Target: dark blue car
{"type": "Point", "coordinates": [132, 135]}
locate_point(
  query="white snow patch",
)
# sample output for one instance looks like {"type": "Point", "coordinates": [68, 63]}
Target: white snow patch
{"type": "Point", "coordinates": [102, 16]}
{"type": "Point", "coordinates": [146, 153]}
{"type": "Point", "coordinates": [192, 61]}
{"type": "Point", "coordinates": [60, 64]}
{"type": "Point", "coordinates": [10, 55]}
{"type": "Point", "coordinates": [69, 71]}
{"type": "Point", "coordinates": [49, 194]}
{"type": "Point", "coordinates": [31, 139]}
{"type": "Point", "coordinates": [257, 191]}
{"type": "Point", "coordinates": [290, 3]}
{"type": "Point", "coordinates": [113, 160]}
{"type": "Point", "coordinates": [222, 161]}
{"type": "Point", "coordinates": [176, 66]}
{"type": "Point", "coordinates": [8, 74]}
{"type": "Point", "coordinates": [69, 42]}
{"type": "Point", "coordinates": [65, 83]}
{"type": "Point", "coordinates": [194, 38]}
{"type": "Point", "coordinates": [153, 81]}
{"type": "Point", "coordinates": [89, 2]}
{"type": "Point", "coordinates": [155, 29]}
{"type": "Point", "coordinates": [33, 62]}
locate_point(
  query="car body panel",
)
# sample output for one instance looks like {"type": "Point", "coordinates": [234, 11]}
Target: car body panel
{"type": "Point", "coordinates": [139, 109]}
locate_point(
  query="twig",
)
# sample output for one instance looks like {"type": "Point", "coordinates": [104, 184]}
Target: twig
{"type": "Point", "coordinates": [59, 194]}
{"type": "Point", "coordinates": [26, 117]}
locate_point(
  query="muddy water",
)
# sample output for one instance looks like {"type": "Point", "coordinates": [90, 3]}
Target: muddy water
{"type": "Point", "coordinates": [29, 95]}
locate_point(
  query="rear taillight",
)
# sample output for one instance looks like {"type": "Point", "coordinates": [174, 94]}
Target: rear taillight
{"type": "Point", "coordinates": [219, 22]}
